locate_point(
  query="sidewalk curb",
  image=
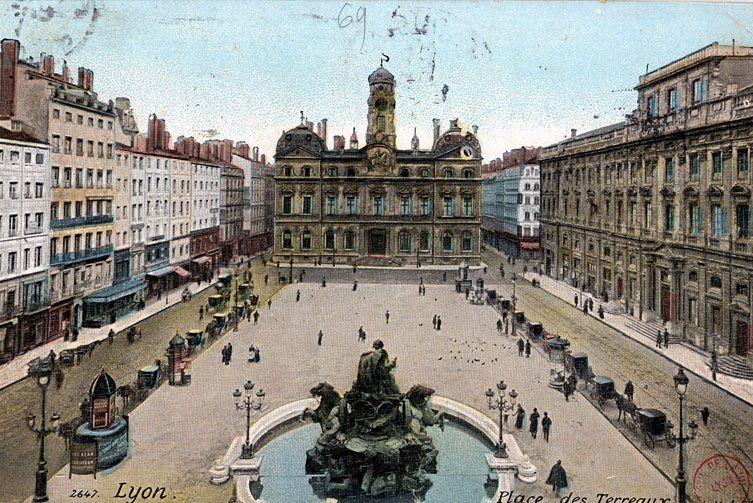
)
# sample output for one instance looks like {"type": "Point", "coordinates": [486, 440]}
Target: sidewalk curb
{"type": "Point", "coordinates": [651, 348]}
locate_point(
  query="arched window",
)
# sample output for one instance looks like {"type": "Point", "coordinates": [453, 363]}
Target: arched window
{"type": "Point", "coordinates": [447, 241]}
{"type": "Point", "coordinates": [405, 172]}
{"type": "Point", "coordinates": [467, 242]}
{"type": "Point", "coordinates": [350, 240]}
{"type": "Point", "coordinates": [424, 173]}
{"type": "Point", "coordinates": [332, 171]}
{"type": "Point", "coordinates": [468, 173]}
{"type": "Point", "coordinates": [424, 241]}
{"type": "Point", "coordinates": [329, 240]}
{"type": "Point", "coordinates": [404, 242]}
{"type": "Point", "coordinates": [448, 173]}
{"type": "Point", "coordinates": [351, 172]}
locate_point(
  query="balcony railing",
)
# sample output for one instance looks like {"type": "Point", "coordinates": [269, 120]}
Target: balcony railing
{"type": "Point", "coordinates": [741, 247]}
{"type": "Point", "coordinates": [36, 304]}
{"type": "Point", "coordinates": [65, 223]}
{"type": "Point", "coordinates": [33, 229]}
{"type": "Point", "coordinates": [77, 256]}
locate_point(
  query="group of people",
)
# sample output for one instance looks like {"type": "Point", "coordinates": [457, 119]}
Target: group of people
{"type": "Point", "coordinates": [662, 337]}
{"type": "Point", "coordinates": [254, 355]}
{"type": "Point", "coordinates": [533, 422]}
{"type": "Point", "coordinates": [524, 347]}
{"type": "Point", "coordinates": [437, 322]}
{"type": "Point", "coordinates": [227, 353]}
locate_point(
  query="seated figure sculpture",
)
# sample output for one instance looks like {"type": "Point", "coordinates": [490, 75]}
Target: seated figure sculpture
{"type": "Point", "coordinates": [374, 440]}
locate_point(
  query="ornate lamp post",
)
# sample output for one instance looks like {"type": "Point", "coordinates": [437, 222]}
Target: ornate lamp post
{"type": "Point", "coordinates": [514, 299]}
{"type": "Point", "coordinates": [235, 307]}
{"type": "Point", "coordinates": [290, 273]}
{"type": "Point", "coordinates": [42, 374]}
{"type": "Point", "coordinates": [681, 386]}
{"type": "Point", "coordinates": [248, 404]}
{"type": "Point", "coordinates": [504, 403]}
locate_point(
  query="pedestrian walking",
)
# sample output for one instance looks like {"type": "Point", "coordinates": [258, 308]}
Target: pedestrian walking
{"type": "Point", "coordinates": [658, 339]}
{"type": "Point", "coordinates": [224, 354]}
{"type": "Point", "coordinates": [229, 352]}
{"type": "Point", "coordinates": [585, 308]}
{"type": "Point", "coordinates": [520, 415]}
{"type": "Point", "coordinates": [557, 478]}
{"type": "Point", "coordinates": [167, 298]}
{"type": "Point", "coordinates": [439, 323]}
{"type": "Point", "coordinates": [507, 327]}
{"type": "Point", "coordinates": [256, 317]}
{"type": "Point", "coordinates": [534, 423]}
{"type": "Point", "coordinates": [324, 281]}
{"type": "Point", "coordinates": [66, 334]}
{"type": "Point", "coordinates": [575, 300]}
{"type": "Point", "coordinates": [467, 293]}
{"type": "Point", "coordinates": [666, 338]}
{"type": "Point", "coordinates": [444, 276]}
{"type": "Point", "coordinates": [319, 338]}
{"type": "Point", "coordinates": [355, 285]}
{"type": "Point", "coordinates": [629, 390]}
{"type": "Point", "coordinates": [360, 332]}
{"type": "Point", "coordinates": [484, 269]}
{"type": "Point", "coordinates": [705, 416]}
{"type": "Point", "coordinates": [266, 279]}
{"type": "Point", "coordinates": [714, 365]}
{"type": "Point", "coordinates": [420, 290]}
{"type": "Point", "coordinates": [521, 347]}
{"type": "Point", "coordinates": [546, 424]}
{"type": "Point", "coordinates": [297, 295]}
{"type": "Point", "coordinates": [387, 316]}
{"type": "Point", "coordinates": [269, 303]}
{"type": "Point", "coordinates": [528, 349]}
{"type": "Point", "coordinates": [590, 305]}
{"type": "Point", "coordinates": [111, 336]}
{"type": "Point", "coordinates": [601, 311]}
{"type": "Point", "coordinates": [499, 326]}
{"type": "Point", "coordinates": [567, 390]}
{"type": "Point", "coordinates": [434, 321]}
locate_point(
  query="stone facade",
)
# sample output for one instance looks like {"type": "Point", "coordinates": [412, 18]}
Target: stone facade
{"type": "Point", "coordinates": [378, 204]}
{"type": "Point", "coordinates": [655, 212]}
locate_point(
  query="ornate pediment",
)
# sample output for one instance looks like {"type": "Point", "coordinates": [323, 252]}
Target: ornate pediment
{"type": "Point", "coordinates": [287, 189]}
{"type": "Point", "coordinates": [667, 191]}
{"type": "Point", "coordinates": [350, 190]}
{"type": "Point", "coordinates": [740, 192]}
{"type": "Point", "coordinates": [647, 191]}
{"type": "Point", "coordinates": [714, 191]}
{"type": "Point", "coordinates": [691, 192]}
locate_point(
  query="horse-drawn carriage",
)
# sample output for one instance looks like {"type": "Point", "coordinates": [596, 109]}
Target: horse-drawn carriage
{"type": "Point", "coordinates": [577, 364]}
{"type": "Point", "coordinates": [149, 377]}
{"type": "Point", "coordinates": [603, 390]}
{"type": "Point", "coordinates": [655, 428]}
{"type": "Point", "coordinates": [491, 297]}
{"type": "Point", "coordinates": [195, 338]}
{"type": "Point", "coordinates": [244, 291]}
{"type": "Point", "coordinates": [226, 279]}
{"type": "Point", "coordinates": [520, 317]}
{"type": "Point", "coordinates": [505, 304]}
{"type": "Point", "coordinates": [67, 357]}
{"type": "Point", "coordinates": [535, 330]}
{"type": "Point", "coordinates": [555, 347]}
{"type": "Point", "coordinates": [217, 301]}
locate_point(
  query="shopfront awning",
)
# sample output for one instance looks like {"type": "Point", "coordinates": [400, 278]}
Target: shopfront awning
{"type": "Point", "coordinates": [202, 260]}
{"type": "Point", "coordinates": [527, 245]}
{"type": "Point", "coordinates": [117, 291]}
{"type": "Point", "coordinates": [181, 272]}
{"type": "Point", "coordinates": [158, 273]}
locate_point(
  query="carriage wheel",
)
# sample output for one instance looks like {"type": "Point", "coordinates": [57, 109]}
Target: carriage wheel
{"type": "Point", "coordinates": [648, 440]}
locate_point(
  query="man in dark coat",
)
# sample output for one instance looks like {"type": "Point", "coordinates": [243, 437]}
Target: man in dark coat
{"type": "Point", "coordinates": [434, 321]}
{"type": "Point", "coordinates": [567, 390]}
{"type": "Point", "coordinates": [297, 295]}
{"type": "Point", "coordinates": [575, 300]}
{"type": "Point", "coordinates": [387, 317]}
{"type": "Point", "coordinates": [256, 317]}
{"type": "Point", "coordinates": [658, 338]}
{"type": "Point", "coordinates": [224, 354]}
{"type": "Point", "coordinates": [439, 323]}
{"type": "Point", "coordinates": [521, 346]}
{"type": "Point", "coordinates": [534, 423]}
{"type": "Point", "coordinates": [319, 338]}
{"type": "Point", "coordinates": [629, 390]}
{"type": "Point", "coordinates": [520, 415]}
{"type": "Point", "coordinates": [111, 336]}
{"type": "Point", "coordinates": [528, 349]}
{"type": "Point", "coordinates": [705, 416]}
{"type": "Point", "coordinates": [666, 338]}
{"type": "Point", "coordinates": [499, 326]}
{"type": "Point", "coordinates": [585, 308]}
{"type": "Point", "coordinates": [546, 423]}
{"type": "Point", "coordinates": [557, 478]}
{"type": "Point", "coordinates": [229, 353]}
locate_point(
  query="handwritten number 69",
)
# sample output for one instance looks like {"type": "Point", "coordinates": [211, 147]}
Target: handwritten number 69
{"type": "Point", "coordinates": [347, 19]}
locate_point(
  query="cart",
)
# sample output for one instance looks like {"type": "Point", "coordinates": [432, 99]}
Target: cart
{"type": "Point", "coordinates": [66, 357]}
{"type": "Point", "coordinates": [603, 390]}
{"type": "Point", "coordinates": [221, 321]}
{"type": "Point", "coordinates": [505, 304]}
{"type": "Point", "coordinates": [520, 317]}
{"type": "Point", "coordinates": [217, 301]}
{"type": "Point", "coordinates": [491, 297]}
{"type": "Point", "coordinates": [226, 279]}
{"type": "Point", "coordinates": [149, 377]}
{"type": "Point", "coordinates": [195, 338]}
{"type": "Point", "coordinates": [244, 291]}
{"type": "Point", "coordinates": [535, 330]}
{"type": "Point", "coordinates": [655, 428]}
{"type": "Point", "coordinates": [577, 363]}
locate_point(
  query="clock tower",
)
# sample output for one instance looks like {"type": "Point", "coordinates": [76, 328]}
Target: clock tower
{"type": "Point", "coordinates": [380, 132]}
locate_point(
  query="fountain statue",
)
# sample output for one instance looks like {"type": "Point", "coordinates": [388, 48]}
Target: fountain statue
{"type": "Point", "coordinates": [374, 440]}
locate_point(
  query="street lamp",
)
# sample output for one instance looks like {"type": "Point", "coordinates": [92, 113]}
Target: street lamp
{"type": "Point", "coordinates": [42, 374]}
{"type": "Point", "coordinates": [504, 406]}
{"type": "Point", "coordinates": [681, 387]}
{"type": "Point", "coordinates": [235, 308]}
{"type": "Point", "coordinates": [514, 299]}
{"type": "Point", "coordinates": [248, 404]}
{"type": "Point", "coordinates": [290, 274]}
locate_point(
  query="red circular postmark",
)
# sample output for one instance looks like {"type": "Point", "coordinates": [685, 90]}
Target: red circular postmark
{"type": "Point", "coordinates": [721, 478]}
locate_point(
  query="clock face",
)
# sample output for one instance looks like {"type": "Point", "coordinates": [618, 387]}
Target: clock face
{"type": "Point", "coordinates": [466, 152]}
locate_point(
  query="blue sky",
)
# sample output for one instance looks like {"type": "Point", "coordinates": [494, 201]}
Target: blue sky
{"type": "Point", "coordinates": [525, 73]}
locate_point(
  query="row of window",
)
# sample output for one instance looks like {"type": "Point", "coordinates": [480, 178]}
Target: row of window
{"type": "Point", "coordinates": [32, 225]}
{"type": "Point", "coordinates": [81, 242]}
{"type": "Point", "coordinates": [73, 209]}
{"type": "Point", "coordinates": [379, 205]}
{"type": "Point", "coordinates": [672, 102]}
{"type": "Point", "coordinates": [101, 153]}
{"type": "Point", "coordinates": [90, 121]}
{"type": "Point", "coordinates": [10, 264]}
{"type": "Point", "coordinates": [15, 157]}
{"type": "Point", "coordinates": [307, 171]}
{"type": "Point", "coordinates": [404, 241]}
{"type": "Point", "coordinates": [13, 190]}
{"type": "Point", "coordinates": [103, 178]}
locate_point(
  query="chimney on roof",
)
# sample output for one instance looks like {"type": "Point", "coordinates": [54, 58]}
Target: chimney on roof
{"type": "Point", "coordinates": [573, 132]}
{"type": "Point", "coordinates": [264, 159]}
{"type": "Point", "coordinates": [8, 65]}
{"type": "Point", "coordinates": [66, 72]}
{"type": "Point", "coordinates": [436, 125]}
{"type": "Point", "coordinates": [324, 132]}
{"type": "Point", "coordinates": [319, 129]}
{"type": "Point", "coordinates": [255, 155]}
{"type": "Point", "coordinates": [48, 65]}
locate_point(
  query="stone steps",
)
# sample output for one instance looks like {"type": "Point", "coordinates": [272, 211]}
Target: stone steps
{"type": "Point", "coordinates": [733, 365]}
{"type": "Point", "coordinates": [650, 329]}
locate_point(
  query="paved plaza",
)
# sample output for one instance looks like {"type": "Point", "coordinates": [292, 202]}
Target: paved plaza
{"type": "Point", "coordinates": [178, 432]}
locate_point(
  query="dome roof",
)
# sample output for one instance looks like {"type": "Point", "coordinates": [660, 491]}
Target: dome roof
{"type": "Point", "coordinates": [177, 340]}
{"type": "Point", "coordinates": [381, 75]}
{"type": "Point", "coordinates": [455, 136]}
{"type": "Point", "coordinates": [300, 136]}
{"type": "Point", "coordinates": [103, 386]}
